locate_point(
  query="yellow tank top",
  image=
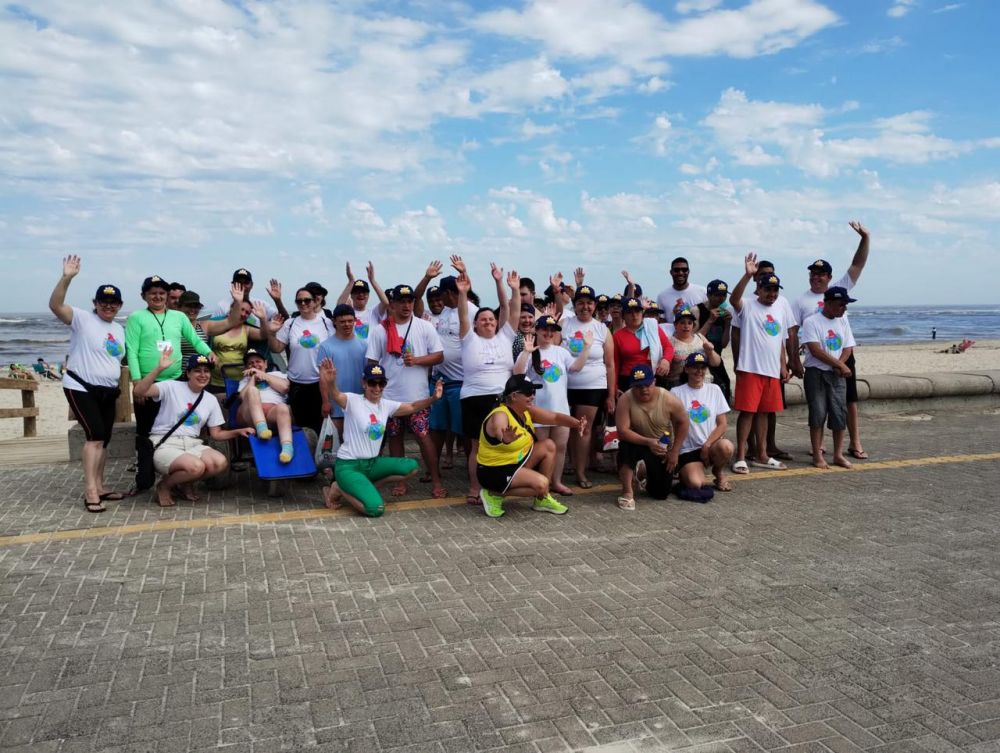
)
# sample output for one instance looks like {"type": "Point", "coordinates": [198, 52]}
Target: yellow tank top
{"type": "Point", "coordinates": [499, 454]}
{"type": "Point", "coordinates": [228, 350]}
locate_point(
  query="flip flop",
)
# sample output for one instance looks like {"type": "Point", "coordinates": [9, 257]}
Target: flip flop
{"type": "Point", "coordinates": [858, 454]}
{"type": "Point", "coordinates": [111, 497]}
{"type": "Point", "coordinates": [473, 500]}
{"type": "Point", "coordinates": [625, 503]}
{"type": "Point", "coordinates": [94, 507]}
{"type": "Point", "coordinates": [782, 455]}
{"type": "Point", "coordinates": [772, 464]}
{"type": "Point", "coordinates": [740, 467]}
{"type": "Point", "coordinates": [585, 484]}
{"type": "Point", "coordinates": [722, 486]}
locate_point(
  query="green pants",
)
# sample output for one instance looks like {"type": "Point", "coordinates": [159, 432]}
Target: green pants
{"type": "Point", "coordinates": [356, 477]}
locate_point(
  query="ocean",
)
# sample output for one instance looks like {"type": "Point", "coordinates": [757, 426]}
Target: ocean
{"type": "Point", "coordinates": [26, 337]}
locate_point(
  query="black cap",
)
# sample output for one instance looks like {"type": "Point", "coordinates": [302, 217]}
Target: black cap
{"type": "Point", "coordinates": [822, 266]}
{"type": "Point", "coordinates": [716, 286]}
{"type": "Point", "coordinates": [603, 300]}
{"type": "Point", "coordinates": [449, 284]}
{"type": "Point", "coordinates": [770, 281]}
{"type": "Point", "coordinates": [548, 322]}
{"type": "Point", "coordinates": [374, 373]}
{"type": "Point", "coordinates": [632, 304]}
{"type": "Point", "coordinates": [642, 374]}
{"type": "Point", "coordinates": [242, 275]}
{"type": "Point", "coordinates": [108, 294]}
{"type": "Point", "coordinates": [252, 353]}
{"type": "Point", "coordinates": [520, 383]}
{"type": "Point", "coordinates": [360, 286]}
{"type": "Point", "coordinates": [433, 291]}
{"type": "Point", "coordinates": [838, 293]}
{"type": "Point", "coordinates": [584, 292]}
{"type": "Point", "coordinates": [315, 288]}
{"type": "Point", "coordinates": [197, 359]}
{"type": "Point", "coordinates": [685, 313]}
{"type": "Point", "coordinates": [402, 293]}
{"type": "Point", "coordinates": [190, 298]}
{"type": "Point", "coordinates": [155, 281]}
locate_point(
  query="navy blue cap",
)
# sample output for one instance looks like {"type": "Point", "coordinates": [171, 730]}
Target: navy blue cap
{"type": "Point", "coordinates": [433, 291]}
{"type": "Point", "coordinates": [548, 322]}
{"type": "Point", "coordinates": [154, 281]}
{"type": "Point", "coordinates": [242, 275]}
{"type": "Point", "coordinates": [360, 286]}
{"type": "Point", "coordinates": [632, 304]}
{"type": "Point", "coordinates": [821, 265]}
{"type": "Point", "coordinates": [770, 281]}
{"type": "Point", "coordinates": [696, 359]}
{"type": "Point", "coordinates": [253, 353]}
{"type": "Point", "coordinates": [838, 293]}
{"type": "Point", "coordinates": [196, 360]}
{"type": "Point", "coordinates": [374, 373]}
{"type": "Point", "coordinates": [603, 300]}
{"type": "Point", "coordinates": [108, 294]}
{"type": "Point", "coordinates": [642, 374]}
{"type": "Point", "coordinates": [685, 313]}
{"type": "Point", "coordinates": [401, 293]}
{"type": "Point", "coordinates": [584, 291]}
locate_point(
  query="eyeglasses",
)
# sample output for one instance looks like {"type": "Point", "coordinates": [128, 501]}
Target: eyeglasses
{"type": "Point", "coordinates": [303, 301]}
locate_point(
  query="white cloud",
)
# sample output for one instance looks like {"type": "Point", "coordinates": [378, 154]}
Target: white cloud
{"type": "Point", "coordinates": [695, 6]}
{"type": "Point", "coordinates": [900, 8]}
{"type": "Point", "coordinates": [654, 85]}
{"type": "Point", "coordinates": [948, 8]}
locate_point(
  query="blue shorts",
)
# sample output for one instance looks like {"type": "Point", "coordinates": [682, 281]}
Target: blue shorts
{"type": "Point", "coordinates": [446, 413]}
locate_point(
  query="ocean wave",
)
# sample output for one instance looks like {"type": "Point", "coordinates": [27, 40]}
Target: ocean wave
{"type": "Point", "coordinates": [12, 321]}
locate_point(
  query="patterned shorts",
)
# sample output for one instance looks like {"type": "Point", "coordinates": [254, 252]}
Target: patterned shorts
{"type": "Point", "coordinates": [419, 423]}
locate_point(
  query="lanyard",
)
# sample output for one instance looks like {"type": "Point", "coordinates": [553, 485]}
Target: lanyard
{"type": "Point", "coordinates": [159, 322]}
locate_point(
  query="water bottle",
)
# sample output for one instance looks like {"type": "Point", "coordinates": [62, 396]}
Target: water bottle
{"type": "Point", "coordinates": [665, 439]}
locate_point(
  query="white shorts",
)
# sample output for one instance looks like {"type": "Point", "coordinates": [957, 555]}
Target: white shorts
{"type": "Point", "coordinates": [173, 448]}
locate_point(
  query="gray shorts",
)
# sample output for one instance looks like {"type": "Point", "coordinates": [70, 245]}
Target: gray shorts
{"type": "Point", "coordinates": [826, 396]}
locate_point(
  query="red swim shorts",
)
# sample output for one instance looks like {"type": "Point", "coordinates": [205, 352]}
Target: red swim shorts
{"type": "Point", "coordinates": [756, 393]}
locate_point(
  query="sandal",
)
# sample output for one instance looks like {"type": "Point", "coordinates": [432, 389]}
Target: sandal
{"type": "Point", "coordinates": [626, 503]}
{"type": "Point", "coordinates": [771, 464]}
{"type": "Point", "coordinates": [722, 485]}
{"type": "Point", "coordinates": [111, 497]}
{"type": "Point", "coordinates": [857, 454]}
{"type": "Point", "coordinates": [585, 483]}
{"type": "Point", "coordinates": [473, 499]}
{"type": "Point", "coordinates": [740, 467]}
{"type": "Point", "coordinates": [782, 455]}
{"type": "Point", "coordinates": [94, 507]}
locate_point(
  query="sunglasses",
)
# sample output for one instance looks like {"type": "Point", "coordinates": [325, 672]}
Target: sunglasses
{"type": "Point", "coordinates": [681, 271]}
{"type": "Point", "coordinates": [303, 301]}
{"type": "Point", "coordinates": [381, 383]}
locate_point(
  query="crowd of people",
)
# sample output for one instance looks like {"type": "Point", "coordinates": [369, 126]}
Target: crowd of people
{"type": "Point", "coordinates": [533, 392]}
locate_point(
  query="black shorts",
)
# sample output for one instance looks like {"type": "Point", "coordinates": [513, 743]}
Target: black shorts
{"type": "Point", "coordinates": [658, 481]}
{"type": "Point", "coordinates": [691, 456]}
{"type": "Point", "coordinates": [497, 478]}
{"type": "Point", "coordinates": [474, 411]}
{"type": "Point", "coordinates": [591, 397]}
{"type": "Point", "coordinates": [852, 380]}
{"type": "Point", "coordinates": [95, 412]}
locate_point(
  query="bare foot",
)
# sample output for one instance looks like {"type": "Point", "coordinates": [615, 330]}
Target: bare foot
{"type": "Point", "coordinates": [332, 497]}
{"type": "Point", "coordinates": [562, 489]}
{"type": "Point", "coordinates": [187, 493]}
{"type": "Point", "coordinates": [398, 490]}
{"type": "Point", "coordinates": [163, 497]}
{"type": "Point", "coordinates": [842, 461]}
{"type": "Point", "coordinates": [820, 463]}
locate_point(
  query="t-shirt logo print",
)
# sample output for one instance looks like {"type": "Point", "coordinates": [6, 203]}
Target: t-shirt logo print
{"type": "Point", "coordinates": [551, 371]}
{"type": "Point", "coordinates": [576, 343]}
{"type": "Point", "coordinates": [771, 326]}
{"type": "Point", "coordinates": [193, 420]}
{"type": "Point", "coordinates": [308, 339]}
{"type": "Point", "coordinates": [832, 341]}
{"type": "Point", "coordinates": [113, 347]}
{"type": "Point", "coordinates": [375, 429]}
{"type": "Point", "coordinates": [361, 330]}
{"type": "Point", "coordinates": [698, 413]}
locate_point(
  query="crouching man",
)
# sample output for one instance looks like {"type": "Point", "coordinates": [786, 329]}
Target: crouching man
{"type": "Point", "coordinates": [706, 445]}
{"type": "Point", "coordinates": [179, 454]}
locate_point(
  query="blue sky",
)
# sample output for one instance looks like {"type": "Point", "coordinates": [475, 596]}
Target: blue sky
{"type": "Point", "coordinates": [188, 138]}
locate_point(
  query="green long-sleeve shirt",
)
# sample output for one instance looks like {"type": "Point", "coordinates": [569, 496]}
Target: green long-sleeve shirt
{"type": "Point", "coordinates": [143, 329]}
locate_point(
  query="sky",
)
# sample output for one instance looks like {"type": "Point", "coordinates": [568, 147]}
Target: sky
{"type": "Point", "coordinates": [192, 137]}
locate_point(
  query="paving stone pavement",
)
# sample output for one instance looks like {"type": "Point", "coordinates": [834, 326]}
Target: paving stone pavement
{"type": "Point", "coordinates": [827, 613]}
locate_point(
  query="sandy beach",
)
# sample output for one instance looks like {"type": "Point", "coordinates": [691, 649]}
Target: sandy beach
{"type": "Point", "coordinates": [908, 358]}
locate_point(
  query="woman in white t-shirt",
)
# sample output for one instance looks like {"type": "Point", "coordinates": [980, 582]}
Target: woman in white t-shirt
{"type": "Point", "coordinates": [549, 365]}
{"type": "Point", "coordinates": [686, 341]}
{"type": "Point", "coordinates": [96, 348]}
{"type": "Point", "coordinates": [178, 452]}
{"type": "Point", "coordinates": [487, 358]}
{"type": "Point", "coordinates": [591, 389]}
{"type": "Point", "coordinates": [359, 469]}
{"type": "Point", "coordinates": [301, 336]}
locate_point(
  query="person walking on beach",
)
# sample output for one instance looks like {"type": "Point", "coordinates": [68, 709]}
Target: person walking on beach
{"type": "Point", "coordinates": [829, 343]}
{"type": "Point", "coordinates": [96, 349]}
{"type": "Point", "coordinates": [811, 302]}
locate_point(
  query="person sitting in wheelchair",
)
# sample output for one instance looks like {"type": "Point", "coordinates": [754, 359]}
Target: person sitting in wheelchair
{"type": "Point", "coordinates": [263, 402]}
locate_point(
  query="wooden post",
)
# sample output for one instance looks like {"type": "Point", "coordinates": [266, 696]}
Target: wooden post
{"type": "Point", "coordinates": [27, 411]}
{"type": "Point", "coordinates": [123, 407]}
{"type": "Point", "coordinates": [30, 420]}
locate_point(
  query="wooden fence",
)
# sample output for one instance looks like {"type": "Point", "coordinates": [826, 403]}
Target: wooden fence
{"type": "Point", "coordinates": [28, 411]}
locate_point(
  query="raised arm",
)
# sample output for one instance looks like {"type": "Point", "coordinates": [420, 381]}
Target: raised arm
{"type": "Point", "coordinates": [345, 295]}
{"type": "Point", "coordinates": [383, 301]}
{"type": "Point", "coordinates": [274, 290]}
{"type": "Point", "coordinates": [433, 270]}
{"type": "Point", "coordinates": [629, 284]}
{"type": "Point", "coordinates": [146, 387]}
{"type": "Point", "coordinates": [57, 301]}
{"type": "Point", "coordinates": [219, 326]}
{"type": "Point", "coordinates": [464, 286]}
{"type": "Point", "coordinates": [550, 417]}
{"type": "Point", "coordinates": [750, 269]}
{"type": "Point", "coordinates": [328, 383]}
{"type": "Point", "coordinates": [510, 307]}
{"type": "Point", "coordinates": [861, 255]}
{"type": "Point", "coordinates": [271, 328]}
{"type": "Point", "coordinates": [407, 409]}
{"type": "Point", "coordinates": [524, 358]}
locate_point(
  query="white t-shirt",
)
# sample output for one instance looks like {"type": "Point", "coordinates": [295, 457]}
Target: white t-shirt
{"type": "Point", "coordinates": [594, 374]}
{"type": "Point", "coordinates": [302, 337]}
{"type": "Point", "coordinates": [704, 406]}
{"type": "Point", "coordinates": [448, 330]}
{"type": "Point", "coordinates": [406, 383]}
{"type": "Point", "coordinates": [175, 398]}
{"type": "Point", "coordinates": [268, 395]}
{"type": "Point", "coordinates": [487, 363]}
{"type": "Point", "coordinates": [781, 303]}
{"type": "Point", "coordinates": [672, 300]}
{"type": "Point", "coordinates": [96, 349]}
{"type": "Point", "coordinates": [554, 379]}
{"type": "Point", "coordinates": [810, 303]}
{"type": "Point", "coordinates": [364, 426]}
{"type": "Point", "coordinates": [365, 320]}
{"type": "Point", "coordinates": [763, 332]}
{"type": "Point", "coordinates": [833, 334]}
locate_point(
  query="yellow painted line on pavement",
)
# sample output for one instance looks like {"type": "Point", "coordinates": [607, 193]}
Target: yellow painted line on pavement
{"type": "Point", "coordinates": [286, 516]}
